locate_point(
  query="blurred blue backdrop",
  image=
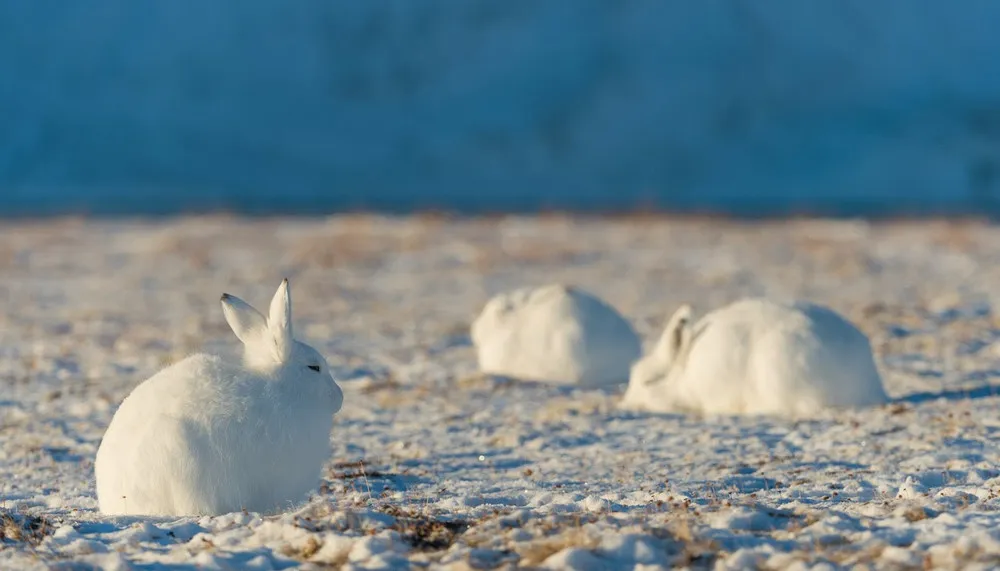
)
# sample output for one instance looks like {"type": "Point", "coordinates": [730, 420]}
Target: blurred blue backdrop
{"type": "Point", "coordinates": [845, 106]}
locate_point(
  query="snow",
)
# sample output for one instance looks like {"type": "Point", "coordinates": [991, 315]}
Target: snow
{"type": "Point", "coordinates": [489, 105]}
{"type": "Point", "coordinates": [555, 333]}
{"type": "Point", "coordinates": [434, 464]}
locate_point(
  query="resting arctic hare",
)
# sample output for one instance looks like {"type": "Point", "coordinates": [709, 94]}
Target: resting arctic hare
{"type": "Point", "coordinates": [757, 357]}
{"type": "Point", "coordinates": [555, 333]}
{"type": "Point", "coordinates": [205, 437]}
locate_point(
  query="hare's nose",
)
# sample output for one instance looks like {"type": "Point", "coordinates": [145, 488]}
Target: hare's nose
{"type": "Point", "coordinates": [338, 396]}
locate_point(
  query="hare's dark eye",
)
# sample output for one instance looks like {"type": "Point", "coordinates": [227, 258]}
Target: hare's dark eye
{"type": "Point", "coordinates": [314, 367]}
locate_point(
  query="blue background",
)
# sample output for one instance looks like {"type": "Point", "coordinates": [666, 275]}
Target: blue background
{"type": "Point", "coordinates": [316, 106]}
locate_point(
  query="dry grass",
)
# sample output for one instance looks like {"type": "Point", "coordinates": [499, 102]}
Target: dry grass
{"type": "Point", "coordinates": [535, 552]}
{"type": "Point", "coordinates": [361, 240]}
{"type": "Point", "coordinates": [558, 410]}
{"type": "Point", "coordinates": [915, 513]}
{"type": "Point", "coordinates": [305, 551]}
{"type": "Point", "coordinates": [423, 532]}
{"type": "Point", "coordinates": [696, 551]}
{"type": "Point", "coordinates": [23, 528]}
{"type": "Point", "coordinates": [8, 256]}
{"type": "Point", "coordinates": [196, 250]}
{"type": "Point", "coordinates": [956, 235]}
{"type": "Point", "coordinates": [527, 250]}
{"type": "Point", "coordinates": [387, 392]}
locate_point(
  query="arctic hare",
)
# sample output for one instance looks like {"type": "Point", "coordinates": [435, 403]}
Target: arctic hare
{"type": "Point", "coordinates": [206, 437]}
{"type": "Point", "coordinates": [555, 333]}
{"type": "Point", "coordinates": [757, 356]}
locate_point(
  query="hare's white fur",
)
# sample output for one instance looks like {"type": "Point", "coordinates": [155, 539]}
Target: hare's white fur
{"type": "Point", "coordinates": [555, 333]}
{"type": "Point", "coordinates": [206, 437]}
{"type": "Point", "coordinates": [757, 356]}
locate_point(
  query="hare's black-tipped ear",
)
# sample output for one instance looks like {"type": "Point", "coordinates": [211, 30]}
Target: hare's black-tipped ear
{"type": "Point", "coordinates": [279, 320]}
{"type": "Point", "coordinates": [677, 333]}
{"type": "Point", "coordinates": [246, 322]}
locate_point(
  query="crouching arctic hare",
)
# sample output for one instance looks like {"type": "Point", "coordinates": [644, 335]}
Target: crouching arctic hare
{"type": "Point", "coordinates": [757, 356]}
{"type": "Point", "coordinates": [206, 437]}
{"type": "Point", "coordinates": [555, 333]}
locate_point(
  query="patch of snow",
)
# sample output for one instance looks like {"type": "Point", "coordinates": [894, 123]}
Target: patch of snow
{"type": "Point", "coordinates": [437, 466]}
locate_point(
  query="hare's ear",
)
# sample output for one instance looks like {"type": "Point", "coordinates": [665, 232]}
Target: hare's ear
{"type": "Point", "coordinates": [246, 322]}
{"type": "Point", "coordinates": [676, 335]}
{"type": "Point", "coordinates": [279, 321]}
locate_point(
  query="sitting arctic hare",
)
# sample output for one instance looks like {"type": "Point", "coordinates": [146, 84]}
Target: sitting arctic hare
{"type": "Point", "coordinates": [206, 437]}
{"type": "Point", "coordinates": [555, 333]}
{"type": "Point", "coordinates": [757, 357]}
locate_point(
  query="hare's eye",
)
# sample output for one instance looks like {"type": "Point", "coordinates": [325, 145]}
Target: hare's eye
{"type": "Point", "coordinates": [314, 367]}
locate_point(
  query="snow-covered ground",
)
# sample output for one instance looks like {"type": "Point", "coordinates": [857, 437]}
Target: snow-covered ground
{"type": "Point", "coordinates": [434, 465]}
{"type": "Point", "coordinates": [492, 104]}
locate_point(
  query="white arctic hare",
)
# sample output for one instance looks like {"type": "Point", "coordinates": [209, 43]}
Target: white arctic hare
{"type": "Point", "coordinates": [206, 437]}
{"type": "Point", "coordinates": [555, 333]}
{"type": "Point", "coordinates": [757, 356]}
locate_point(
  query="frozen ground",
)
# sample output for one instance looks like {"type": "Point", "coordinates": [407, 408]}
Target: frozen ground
{"type": "Point", "coordinates": [433, 465]}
